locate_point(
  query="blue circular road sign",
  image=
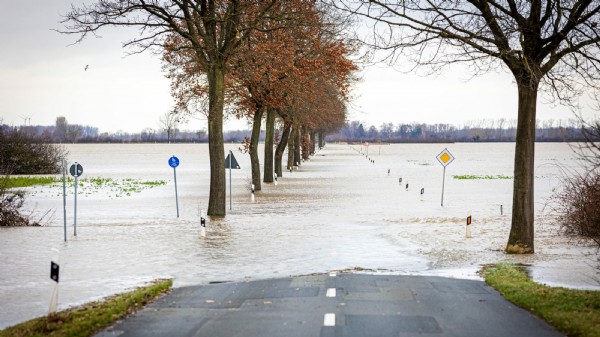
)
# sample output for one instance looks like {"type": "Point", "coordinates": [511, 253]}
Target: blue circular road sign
{"type": "Point", "coordinates": [173, 162]}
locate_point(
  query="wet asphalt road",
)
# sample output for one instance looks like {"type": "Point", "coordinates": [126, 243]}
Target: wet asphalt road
{"type": "Point", "coordinates": [334, 305]}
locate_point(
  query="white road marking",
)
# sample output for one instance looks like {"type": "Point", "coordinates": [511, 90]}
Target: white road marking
{"type": "Point", "coordinates": [329, 320]}
{"type": "Point", "coordinates": [331, 292]}
{"type": "Point", "coordinates": [332, 274]}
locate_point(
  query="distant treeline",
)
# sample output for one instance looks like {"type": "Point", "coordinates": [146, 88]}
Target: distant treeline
{"type": "Point", "coordinates": [75, 133]}
{"type": "Point", "coordinates": [498, 130]}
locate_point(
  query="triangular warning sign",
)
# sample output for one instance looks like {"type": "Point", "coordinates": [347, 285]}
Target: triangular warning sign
{"type": "Point", "coordinates": [230, 162]}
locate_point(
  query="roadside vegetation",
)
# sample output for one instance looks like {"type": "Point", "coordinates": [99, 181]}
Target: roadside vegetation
{"type": "Point", "coordinates": [21, 153]}
{"type": "Point", "coordinates": [573, 312]}
{"type": "Point", "coordinates": [11, 202]}
{"type": "Point", "coordinates": [577, 202]}
{"type": "Point", "coordinates": [89, 318]}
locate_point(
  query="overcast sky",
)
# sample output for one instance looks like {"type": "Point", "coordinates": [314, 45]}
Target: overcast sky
{"type": "Point", "coordinates": [42, 77]}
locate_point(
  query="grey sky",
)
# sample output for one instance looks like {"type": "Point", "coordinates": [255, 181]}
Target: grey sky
{"type": "Point", "coordinates": [42, 77]}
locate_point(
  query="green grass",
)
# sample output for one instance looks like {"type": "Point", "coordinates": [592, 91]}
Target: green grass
{"type": "Point", "coordinates": [27, 181]}
{"type": "Point", "coordinates": [89, 318]}
{"type": "Point", "coordinates": [476, 177]}
{"type": "Point", "coordinates": [573, 312]}
{"type": "Point", "coordinates": [88, 185]}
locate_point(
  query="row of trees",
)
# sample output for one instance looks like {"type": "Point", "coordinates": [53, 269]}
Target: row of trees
{"type": "Point", "coordinates": [500, 130]}
{"type": "Point", "coordinates": [46, 134]}
{"type": "Point", "coordinates": [485, 130]}
{"type": "Point", "coordinates": [293, 73]}
{"type": "Point", "coordinates": [284, 60]}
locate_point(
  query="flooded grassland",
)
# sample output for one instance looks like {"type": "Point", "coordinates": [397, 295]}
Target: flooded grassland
{"type": "Point", "coordinates": [338, 211]}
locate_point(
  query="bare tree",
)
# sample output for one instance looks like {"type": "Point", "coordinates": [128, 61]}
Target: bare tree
{"type": "Point", "coordinates": [551, 45]}
{"type": "Point", "coordinates": [60, 132]}
{"type": "Point", "coordinates": [168, 122]}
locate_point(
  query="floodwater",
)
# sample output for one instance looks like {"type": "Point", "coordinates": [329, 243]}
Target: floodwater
{"type": "Point", "coordinates": [338, 211]}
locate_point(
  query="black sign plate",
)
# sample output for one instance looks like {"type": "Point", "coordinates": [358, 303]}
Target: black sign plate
{"type": "Point", "coordinates": [76, 170]}
{"type": "Point", "coordinates": [54, 271]}
{"type": "Point", "coordinates": [230, 162]}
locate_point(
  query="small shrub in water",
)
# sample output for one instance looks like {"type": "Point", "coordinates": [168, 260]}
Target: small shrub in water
{"type": "Point", "coordinates": [10, 206]}
{"type": "Point", "coordinates": [578, 206]}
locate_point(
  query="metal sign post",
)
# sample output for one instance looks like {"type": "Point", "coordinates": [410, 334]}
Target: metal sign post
{"type": "Point", "coordinates": [76, 170]}
{"type": "Point", "coordinates": [444, 158]}
{"type": "Point", "coordinates": [174, 162]}
{"type": "Point", "coordinates": [230, 185]}
{"type": "Point", "coordinates": [231, 163]}
{"type": "Point", "coordinates": [64, 181]}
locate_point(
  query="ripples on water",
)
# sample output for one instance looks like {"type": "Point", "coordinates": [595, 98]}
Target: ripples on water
{"type": "Point", "coordinates": [338, 211]}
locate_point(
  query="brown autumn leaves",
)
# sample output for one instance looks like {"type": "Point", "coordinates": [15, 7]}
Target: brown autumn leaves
{"type": "Point", "coordinates": [295, 72]}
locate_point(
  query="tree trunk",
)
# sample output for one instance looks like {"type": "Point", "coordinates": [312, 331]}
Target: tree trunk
{"type": "Point", "coordinates": [297, 146]}
{"type": "Point", "coordinates": [306, 144]}
{"type": "Point", "coordinates": [313, 140]}
{"type": "Point", "coordinates": [268, 175]}
{"type": "Point", "coordinates": [321, 140]}
{"type": "Point", "coordinates": [291, 148]}
{"type": "Point", "coordinates": [216, 93]}
{"type": "Point", "coordinates": [254, 161]}
{"type": "Point", "coordinates": [520, 240]}
{"type": "Point", "coordinates": [281, 148]}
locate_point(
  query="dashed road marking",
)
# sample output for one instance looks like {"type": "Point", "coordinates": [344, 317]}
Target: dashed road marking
{"type": "Point", "coordinates": [331, 292]}
{"type": "Point", "coordinates": [329, 320]}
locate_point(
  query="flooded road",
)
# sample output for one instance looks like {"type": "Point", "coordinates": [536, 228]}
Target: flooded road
{"type": "Point", "coordinates": [338, 211]}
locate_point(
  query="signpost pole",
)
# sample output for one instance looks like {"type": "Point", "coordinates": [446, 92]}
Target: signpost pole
{"type": "Point", "coordinates": [443, 183]}
{"type": "Point", "coordinates": [64, 178]}
{"type": "Point", "coordinates": [176, 197]}
{"type": "Point", "coordinates": [230, 156]}
{"type": "Point", "coordinates": [75, 206]}
{"type": "Point", "coordinates": [174, 162]}
{"type": "Point", "coordinates": [444, 158]}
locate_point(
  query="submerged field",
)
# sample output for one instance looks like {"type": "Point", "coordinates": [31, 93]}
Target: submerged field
{"type": "Point", "coordinates": [338, 211]}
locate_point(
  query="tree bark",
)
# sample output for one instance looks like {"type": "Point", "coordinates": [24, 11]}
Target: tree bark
{"type": "Point", "coordinates": [297, 146]}
{"type": "Point", "coordinates": [521, 238]}
{"type": "Point", "coordinates": [321, 140]}
{"type": "Point", "coordinates": [218, 184]}
{"type": "Point", "coordinates": [306, 144]}
{"type": "Point", "coordinates": [254, 161]}
{"type": "Point", "coordinates": [281, 148]}
{"type": "Point", "coordinates": [270, 126]}
{"type": "Point", "coordinates": [291, 148]}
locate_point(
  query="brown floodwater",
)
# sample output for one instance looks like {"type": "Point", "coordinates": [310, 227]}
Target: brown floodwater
{"type": "Point", "coordinates": [339, 211]}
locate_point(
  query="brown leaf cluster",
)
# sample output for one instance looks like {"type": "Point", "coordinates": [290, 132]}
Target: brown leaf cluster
{"type": "Point", "coordinates": [291, 63]}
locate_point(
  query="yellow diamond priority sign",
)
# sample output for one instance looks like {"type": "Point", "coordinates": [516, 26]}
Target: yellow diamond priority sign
{"type": "Point", "coordinates": [445, 157]}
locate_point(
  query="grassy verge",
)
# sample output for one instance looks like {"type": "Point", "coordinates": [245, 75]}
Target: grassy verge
{"type": "Point", "coordinates": [89, 318]}
{"type": "Point", "coordinates": [573, 312]}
